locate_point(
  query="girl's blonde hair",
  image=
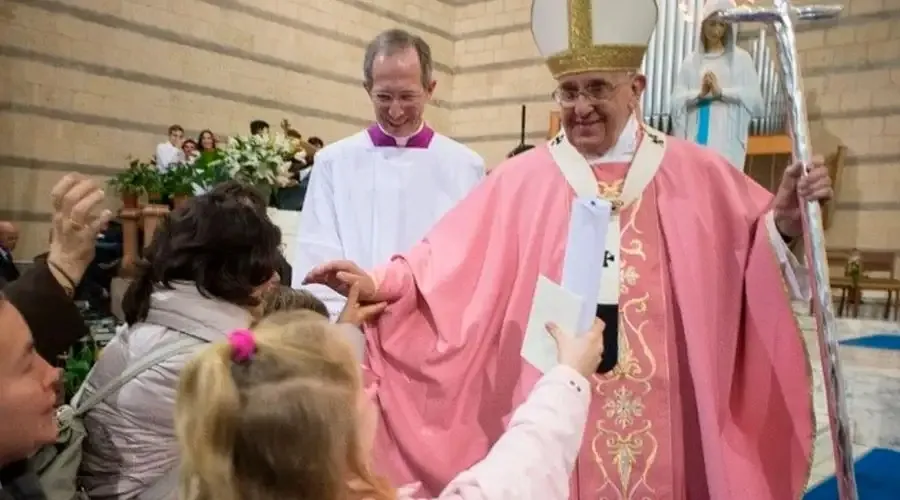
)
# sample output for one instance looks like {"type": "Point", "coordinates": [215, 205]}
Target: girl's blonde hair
{"type": "Point", "coordinates": [283, 425]}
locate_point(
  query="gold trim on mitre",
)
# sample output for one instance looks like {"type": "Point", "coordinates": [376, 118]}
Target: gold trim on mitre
{"type": "Point", "coordinates": [583, 55]}
{"type": "Point", "coordinates": [597, 58]}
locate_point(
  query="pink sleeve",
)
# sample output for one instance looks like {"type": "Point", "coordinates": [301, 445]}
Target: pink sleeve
{"type": "Point", "coordinates": [535, 456]}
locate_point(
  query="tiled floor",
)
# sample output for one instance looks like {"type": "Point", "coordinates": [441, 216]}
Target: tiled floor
{"type": "Point", "coordinates": [872, 382]}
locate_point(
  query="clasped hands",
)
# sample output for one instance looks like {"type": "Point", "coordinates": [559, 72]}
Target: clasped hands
{"type": "Point", "coordinates": [709, 86]}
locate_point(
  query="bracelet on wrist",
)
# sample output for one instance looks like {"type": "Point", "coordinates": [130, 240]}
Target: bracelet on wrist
{"type": "Point", "coordinates": [70, 284]}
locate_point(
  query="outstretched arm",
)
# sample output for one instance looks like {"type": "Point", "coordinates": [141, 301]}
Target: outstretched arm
{"type": "Point", "coordinates": [536, 454]}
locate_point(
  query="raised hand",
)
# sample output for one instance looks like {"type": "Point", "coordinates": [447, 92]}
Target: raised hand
{"type": "Point", "coordinates": [340, 276]}
{"type": "Point", "coordinates": [357, 314]}
{"type": "Point", "coordinates": [77, 220]}
{"type": "Point", "coordinates": [583, 352]}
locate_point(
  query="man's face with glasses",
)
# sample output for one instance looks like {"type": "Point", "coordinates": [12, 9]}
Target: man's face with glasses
{"type": "Point", "coordinates": [397, 92]}
{"type": "Point", "coordinates": [596, 106]}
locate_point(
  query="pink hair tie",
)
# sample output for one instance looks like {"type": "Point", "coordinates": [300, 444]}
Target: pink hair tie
{"type": "Point", "coordinates": [243, 345]}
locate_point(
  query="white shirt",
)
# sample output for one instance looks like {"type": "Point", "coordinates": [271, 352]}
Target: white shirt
{"type": "Point", "coordinates": [366, 203]}
{"type": "Point", "coordinates": [166, 153]}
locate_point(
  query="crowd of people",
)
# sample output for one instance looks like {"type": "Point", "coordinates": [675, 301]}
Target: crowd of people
{"type": "Point", "coordinates": [177, 148]}
{"type": "Point", "coordinates": [395, 368]}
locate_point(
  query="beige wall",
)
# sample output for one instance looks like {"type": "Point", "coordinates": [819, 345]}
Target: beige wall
{"type": "Point", "coordinates": [853, 86]}
{"type": "Point", "coordinates": [85, 84]}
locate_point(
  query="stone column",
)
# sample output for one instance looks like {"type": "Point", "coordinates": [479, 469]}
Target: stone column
{"type": "Point", "coordinates": [130, 251]}
{"type": "Point", "coordinates": [152, 217]}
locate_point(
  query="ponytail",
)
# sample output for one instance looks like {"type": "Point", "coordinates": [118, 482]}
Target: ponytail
{"type": "Point", "coordinates": [207, 411]}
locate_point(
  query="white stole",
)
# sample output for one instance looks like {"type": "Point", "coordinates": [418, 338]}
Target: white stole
{"type": "Point", "coordinates": [580, 176]}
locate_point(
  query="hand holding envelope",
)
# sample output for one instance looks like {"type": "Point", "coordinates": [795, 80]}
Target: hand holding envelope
{"type": "Point", "coordinates": [571, 306]}
{"type": "Point", "coordinates": [581, 352]}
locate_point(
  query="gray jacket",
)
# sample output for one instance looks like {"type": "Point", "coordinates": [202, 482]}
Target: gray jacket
{"type": "Point", "coordinates": [131, 451]}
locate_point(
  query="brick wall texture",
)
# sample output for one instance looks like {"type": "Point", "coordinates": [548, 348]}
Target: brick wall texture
{"type": "Point", "coordinates": [85, 84]}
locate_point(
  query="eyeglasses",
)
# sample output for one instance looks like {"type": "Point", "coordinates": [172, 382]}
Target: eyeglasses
{"type": "Point", "coordinates": [384, 99]}
{"type": "Point", "coordinates": [594, 93]}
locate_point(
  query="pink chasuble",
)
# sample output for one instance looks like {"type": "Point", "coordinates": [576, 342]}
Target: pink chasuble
{"type": "Point", "coordinates": [711, 396]}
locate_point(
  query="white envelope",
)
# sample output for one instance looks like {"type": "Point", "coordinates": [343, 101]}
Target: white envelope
{"type": "Point", "coordinates": [583, 262]}
{"type": "Point", "coordinates": [572, 305]}
{"type": "Point", "coordinates": [552, 303]}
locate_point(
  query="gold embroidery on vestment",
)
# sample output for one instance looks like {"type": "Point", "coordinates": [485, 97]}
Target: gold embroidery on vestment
{"type": "Point", "coordinates": [627, 433]}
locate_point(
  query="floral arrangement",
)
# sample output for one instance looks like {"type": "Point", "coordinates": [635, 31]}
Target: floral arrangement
{"type": "Point", "coordinates": [258, 159]}
{"type": "Point", "coordinates": [141, 177]}
{"type": "Point", "coordinates": [180, 178]}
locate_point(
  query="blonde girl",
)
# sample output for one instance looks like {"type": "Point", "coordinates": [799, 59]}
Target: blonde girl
{"type": "Point", "coordinates": [279, 413]}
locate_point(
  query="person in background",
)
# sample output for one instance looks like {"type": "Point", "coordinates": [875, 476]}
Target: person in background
{"type": "Point", "coordinates": [9, 238]}
{"type": "Point", "coordinates": [204, 275]}
{"type": "Point", "coordinates": [717, 83]}
{"type": "Point", "coordinates": [170, 151]}
{"type": "Point", "coordinates": [521, 148]}
{"type": "Point", "coordinates": [259, 127]}
{"type": "Point", "coordinates": [379, 191]}
{"type": "Point", "coordinates": [315, 141]}
{"type": "Point", "coordinates": [190, 150]}
{"type": "Point", "coordinates": [207, 141]}
{"type": "Point", "coordinates": [280, 413]}
{"type": "Point", "coordinates": [32, 339]}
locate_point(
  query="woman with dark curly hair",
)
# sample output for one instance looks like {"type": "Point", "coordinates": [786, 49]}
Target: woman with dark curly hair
{"type": "Point", "coordinates": [205, 272]}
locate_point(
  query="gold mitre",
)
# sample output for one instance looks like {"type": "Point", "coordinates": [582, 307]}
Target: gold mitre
{"type": "Point", "coordinates": [576, 36]}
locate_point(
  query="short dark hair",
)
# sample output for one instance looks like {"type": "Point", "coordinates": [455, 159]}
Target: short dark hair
{"type": "Point", "coordinates": [175, 128]}
{"type": "Point", "coordinates": [242, 192]}
{"type": "Point", "coordinates": [257, 126]}
{"type": "Point", "coordinates": [521, 148]}
{"type": "Point", "coordinates": [392, 41]}
{"type": "Point", "coordinates": [224, 245]}
{"type": "Point", "coordinates": [315, 141]}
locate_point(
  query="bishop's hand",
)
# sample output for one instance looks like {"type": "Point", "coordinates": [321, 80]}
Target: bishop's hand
{"type": "Point", "coordinates": [341, 276]}
{"type": "Point", "coordinates": [356, 313]}
{"type": "Point", "coordinates": [796, 188]}
{"type": "Point", "coordinates": [583, 352]}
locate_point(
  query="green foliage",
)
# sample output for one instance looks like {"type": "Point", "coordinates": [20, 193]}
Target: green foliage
{"type": "Point", "coordinates": [78, 365]}
{"type": "Point", "coordinates": [209, 169]}
{"type": "Point", "coordinates": [179, 179]}
{"type": "Point", "coordinates": [139, 178]}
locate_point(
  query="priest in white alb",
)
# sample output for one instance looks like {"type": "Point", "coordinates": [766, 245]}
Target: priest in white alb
{"type": "Point", "coordinates": [704, 391]}
{"type": "Point", "coordinates": [377, 192]}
